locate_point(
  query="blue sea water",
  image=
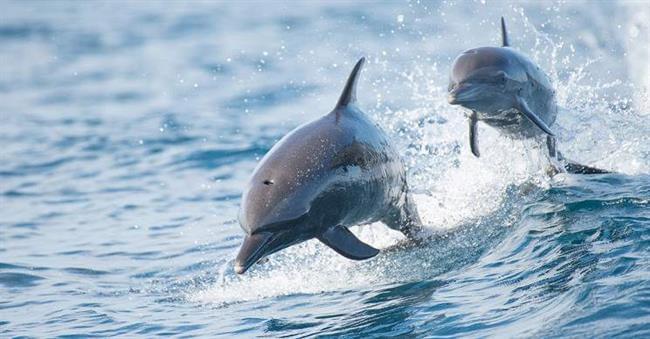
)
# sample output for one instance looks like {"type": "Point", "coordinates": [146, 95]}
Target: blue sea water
{"type": "Point", "coordinates": [128, 130]}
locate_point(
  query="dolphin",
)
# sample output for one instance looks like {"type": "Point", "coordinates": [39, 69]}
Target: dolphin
{"type": "Point", "coordinates": [506, 90]}
{"type": "Point", "coordinates": [335, 172]}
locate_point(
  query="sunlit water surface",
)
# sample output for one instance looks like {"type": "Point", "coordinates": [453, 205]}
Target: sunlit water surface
{"type": "Point", "coordinates": [128, 130]}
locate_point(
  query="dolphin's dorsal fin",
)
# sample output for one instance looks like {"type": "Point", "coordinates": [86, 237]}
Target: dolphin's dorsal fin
{"type": "Point", "coordinates": [349, 94]}
{"type": "Point", "coordinates": [504, 33]}
{"type": "Point", "coordinates": [347, 244]}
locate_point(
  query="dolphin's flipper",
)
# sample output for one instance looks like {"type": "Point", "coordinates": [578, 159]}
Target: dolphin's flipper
{"type": "Point", "coordinates": [550, 143]}
{"type": "Point", "coordinates": [504, 34]}
{"type": "Point", "coordinates": [347, 244]}
{"type": "Point", "coordinates": [525, 110]}
{"type": "Point", "coordinates": [473, 134]}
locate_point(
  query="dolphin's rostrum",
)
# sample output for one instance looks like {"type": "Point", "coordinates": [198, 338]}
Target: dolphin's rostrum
{"type": "Point", "coordinates": [335, 172]}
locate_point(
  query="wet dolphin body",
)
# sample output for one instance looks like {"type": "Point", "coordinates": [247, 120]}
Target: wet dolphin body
{"type": "Point", "coordinates": [327, 175]}
{"type": "Point", "coordinates": [506, 90]}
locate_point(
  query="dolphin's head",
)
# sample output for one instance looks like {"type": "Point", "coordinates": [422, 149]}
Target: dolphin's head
{"type": "Point", "coordinates": [275, 205]}
{"type": "Point", "coordinates": [486, 80]}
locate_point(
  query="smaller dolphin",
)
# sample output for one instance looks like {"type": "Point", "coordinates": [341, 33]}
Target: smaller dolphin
{"type": "Point", "coordinates": [508, 91]}
{"type": "Point", "coordinates": [335, 172]}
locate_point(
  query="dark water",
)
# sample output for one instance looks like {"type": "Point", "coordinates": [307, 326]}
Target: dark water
{"type": "Point", "coordinates": [128, 130]}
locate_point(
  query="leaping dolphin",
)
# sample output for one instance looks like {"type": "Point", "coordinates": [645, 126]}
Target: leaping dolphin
{"type": "Point", "coordinates": [335, 172]}
{"type": "Point", "coordinates": [508, 91]}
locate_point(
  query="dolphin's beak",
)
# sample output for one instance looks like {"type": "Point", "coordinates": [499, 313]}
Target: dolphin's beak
{"type": "Point", "coordinates": [463, 93]}
{"type": "Point", "coordinates": [255, 246]}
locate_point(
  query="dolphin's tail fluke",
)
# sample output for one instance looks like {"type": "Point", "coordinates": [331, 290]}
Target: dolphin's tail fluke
{"type": "Point", "coordinates": [576, 168]}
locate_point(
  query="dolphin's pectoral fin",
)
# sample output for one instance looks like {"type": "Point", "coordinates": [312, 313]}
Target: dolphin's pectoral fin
{"type": "Point", "coordinates": [347, 244]}
{"type": "Point", "coordinates": [473, 134]}
{"type": "Point", "coordinates": [525, 110]}
{"type": "Point", "coordinates": [550, 143]}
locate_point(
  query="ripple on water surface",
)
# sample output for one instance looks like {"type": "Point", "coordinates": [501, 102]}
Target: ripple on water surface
{"type": "Point", "coordinates": [128, 136]}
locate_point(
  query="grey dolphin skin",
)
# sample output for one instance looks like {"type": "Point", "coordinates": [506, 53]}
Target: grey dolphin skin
{"type": "Point", "coordinates": [335, 172]}
{"type": "Point", "coordinates": [506, 90]}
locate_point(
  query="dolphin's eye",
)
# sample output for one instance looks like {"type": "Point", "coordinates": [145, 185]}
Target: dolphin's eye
{"type": "Point", "coordinates": [268, 182]}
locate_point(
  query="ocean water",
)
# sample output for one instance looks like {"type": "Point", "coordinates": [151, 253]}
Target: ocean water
{"type": "Point", "coordinates": [128, 130]}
